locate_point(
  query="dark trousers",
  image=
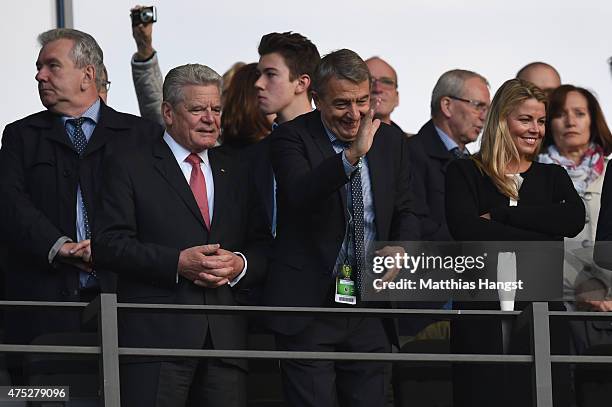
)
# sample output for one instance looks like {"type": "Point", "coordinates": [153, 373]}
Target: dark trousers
{"type": "Point", "coordinates": [185, 382]}
{"type": "Point", "coordinates": [320, 383]}
{"type": "Point", "coordinates": [179, 383]}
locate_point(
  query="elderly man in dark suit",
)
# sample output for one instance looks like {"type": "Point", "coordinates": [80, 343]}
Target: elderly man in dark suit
{"type": "Point", "coordinates": [180, 224]}
{"type": "Point", "coordinates": [50, 184]}
{"type": "Point", "coordinates": [343, 182]}
{"type": "Point", "coordinates": [459, 104]}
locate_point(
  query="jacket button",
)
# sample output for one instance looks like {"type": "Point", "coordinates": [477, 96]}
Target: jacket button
{"type": "Point", "coordinates": [67, 173]}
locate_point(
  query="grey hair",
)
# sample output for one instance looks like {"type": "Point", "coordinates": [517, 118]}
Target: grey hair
{"type": "Point", "coordinates": [341, 64]}
{"type": "Point", "coordinates": [185, 75]}
{"type": "Point", "coordinates": [451, 83]}
{"type": "Point", "coordinates": [85, 50]}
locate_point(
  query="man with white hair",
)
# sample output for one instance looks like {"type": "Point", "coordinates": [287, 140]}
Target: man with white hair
{"type": "Point", "coordinates": [459, 104]}
{"type": "Point", "coordinates": [180, 224]}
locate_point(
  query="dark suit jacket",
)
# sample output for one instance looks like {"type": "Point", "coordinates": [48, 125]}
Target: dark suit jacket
{"type": "Point", "coordinates": [430, 158]}
{"type": "Point", "coordinates": [603, 254]}
{"type": "Point", "coordinates": [312, 210]}
{"type": "Point", "coordinates": [149, 215]}
{"type": "Point", "coordinates": [258, 157]}
{"type": "Point", "coordinates": [39, 173]}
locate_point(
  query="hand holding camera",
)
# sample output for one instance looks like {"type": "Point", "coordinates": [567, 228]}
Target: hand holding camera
{"type": "Point", "coordinates": [142, 30]}
{"type": "Point", "coordinates": [143, 15]}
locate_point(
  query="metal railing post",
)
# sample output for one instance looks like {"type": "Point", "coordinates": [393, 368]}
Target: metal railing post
{"type": "Point", "coordinates": [109, 351]}
{"type": "Point", "coordinates": [63, 10]}
{"type": "Point", "coordinates": [540, 349]}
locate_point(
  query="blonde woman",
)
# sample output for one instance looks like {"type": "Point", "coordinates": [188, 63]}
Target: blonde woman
{"type": "Point", "coordinates": [502, 194]}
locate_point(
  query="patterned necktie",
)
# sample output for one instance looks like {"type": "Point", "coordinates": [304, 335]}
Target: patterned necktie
{"type": "Point", "coordinates": [358, 228]}
{"type": "Point", "coordinates": [79, 139]}
{"type": "Point", "coordinates": [458, 153]}
{"type": "Point", "coordinates": [197, 182]}
{"type": "Point", "coordinates": [80, 143]}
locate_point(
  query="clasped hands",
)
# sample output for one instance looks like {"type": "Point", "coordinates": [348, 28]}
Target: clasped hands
{"type": "Point", "coordinates": [77, 255]}
{"type": "Point", "coordinates": [209, 265]}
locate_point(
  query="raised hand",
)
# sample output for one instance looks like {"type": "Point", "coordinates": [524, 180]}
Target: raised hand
{"type": "Point", "coordinates": [365, 135]}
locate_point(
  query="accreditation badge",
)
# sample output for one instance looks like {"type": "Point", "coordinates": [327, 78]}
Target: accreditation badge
{"type": "Point", "coordinates": [345, 286]}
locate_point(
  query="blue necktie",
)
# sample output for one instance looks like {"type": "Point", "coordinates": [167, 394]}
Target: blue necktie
{"type": "Point", "coordinates": [457, 153]}
{"type": "Point", "coordinates": [80, 142]}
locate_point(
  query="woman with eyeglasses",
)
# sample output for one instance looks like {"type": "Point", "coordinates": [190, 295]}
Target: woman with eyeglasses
{"type": "Point", "coordinates": [502, 194]}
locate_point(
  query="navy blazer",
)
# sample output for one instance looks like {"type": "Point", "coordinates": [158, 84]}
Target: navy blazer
{"type": "Point", "coordinates": [430, 159]}
{"type": "Point", "coordinates": [312, 210]}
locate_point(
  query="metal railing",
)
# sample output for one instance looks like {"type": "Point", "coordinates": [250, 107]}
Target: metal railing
{"type": "Point", "coordinates": [105, 308]}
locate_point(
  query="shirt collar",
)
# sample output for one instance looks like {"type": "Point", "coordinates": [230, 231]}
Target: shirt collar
{"type": "Point", "coordinates": [181, 153]}
{"type": "Point", "coordinates": [92, 113]}
{"type": "Point", "coordinates": [332, 137]}
{"type": "Point", "coordinates": [449, 143]}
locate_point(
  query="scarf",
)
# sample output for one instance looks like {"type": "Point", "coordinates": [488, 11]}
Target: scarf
{"type": "Point", "coordinates": [590, 168]}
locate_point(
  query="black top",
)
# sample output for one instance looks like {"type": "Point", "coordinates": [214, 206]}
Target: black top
{"type": "Point", "coordinates": [549, 207]}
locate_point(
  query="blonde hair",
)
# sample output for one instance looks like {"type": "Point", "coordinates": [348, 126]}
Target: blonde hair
{"type": "Point", "coordinates": [497, 148]}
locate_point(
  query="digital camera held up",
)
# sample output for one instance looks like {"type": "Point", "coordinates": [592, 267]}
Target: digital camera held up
{"type": "Point", "coordinates": [144, 15]}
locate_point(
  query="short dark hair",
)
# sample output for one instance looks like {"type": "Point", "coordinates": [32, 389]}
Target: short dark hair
{"type": "Point", "coordinates": [300, 55]}
{"type": "Point", "coordinates": [600, 132]}
{"type": "Point", "coordinates": [341, 64]}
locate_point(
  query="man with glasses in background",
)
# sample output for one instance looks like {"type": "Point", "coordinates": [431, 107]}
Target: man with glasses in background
{"type": "Point", "coordinates": [384, 88]}
{"type": "Point", "coordinates": [459, 104]}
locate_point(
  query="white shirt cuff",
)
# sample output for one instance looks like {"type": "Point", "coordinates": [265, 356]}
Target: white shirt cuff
{"type": "Point", "coordinates": [244, 270]}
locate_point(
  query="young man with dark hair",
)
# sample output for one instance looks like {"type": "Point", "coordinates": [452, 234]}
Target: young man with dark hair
{"type": "Point", "coordinates": [287, 62]}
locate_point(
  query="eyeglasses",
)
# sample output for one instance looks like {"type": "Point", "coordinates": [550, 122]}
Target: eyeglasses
{"type": "Point", "coordinates": [476, 104]}
{"type": "Point", "coordinates": [384, 82]}
{"type": "Point", "coordinates": [106, 85]}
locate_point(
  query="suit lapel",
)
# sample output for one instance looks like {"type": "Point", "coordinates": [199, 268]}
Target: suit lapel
{"type": "Point", "coordinates": [168, 168]}
{"type": "Point", "coordinates": [52, 128]}
{"type": "Point", "coordinates": [109, 120]}
{"type": "Point", "coordinates": [435, 148]}
{"type": "Point", "coordinates": [222, 178]}
{"type": "Point", "coordinates": [316, 129]}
